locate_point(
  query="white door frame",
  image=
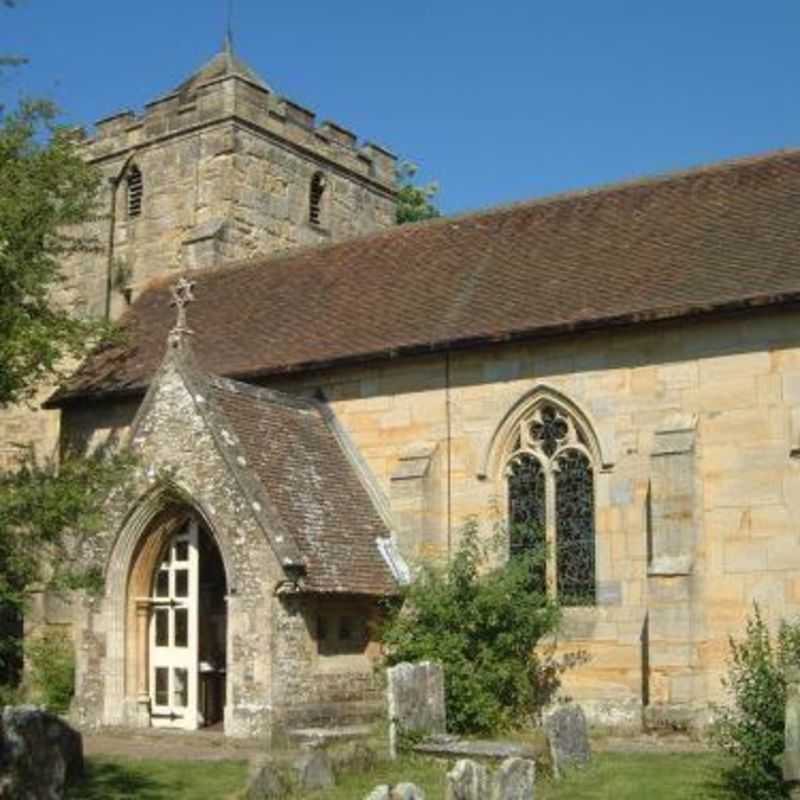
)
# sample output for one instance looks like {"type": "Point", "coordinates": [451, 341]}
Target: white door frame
{"type": "Point", "coordinates": [174, 632]}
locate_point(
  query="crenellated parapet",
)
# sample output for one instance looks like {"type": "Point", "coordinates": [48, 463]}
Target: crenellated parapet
{"type": "Point", "coordinates": [234, 97]}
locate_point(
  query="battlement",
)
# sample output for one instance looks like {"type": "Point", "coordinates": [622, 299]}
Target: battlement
{"type": "Point", "coordinates": [233, 94]}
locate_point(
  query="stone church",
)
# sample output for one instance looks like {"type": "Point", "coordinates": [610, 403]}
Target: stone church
{"type": "Point", "coordinates": [618, 367]}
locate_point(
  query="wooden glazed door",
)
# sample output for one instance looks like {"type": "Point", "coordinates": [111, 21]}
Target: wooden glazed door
{"type": "Point", "coordinates": [173, 634]}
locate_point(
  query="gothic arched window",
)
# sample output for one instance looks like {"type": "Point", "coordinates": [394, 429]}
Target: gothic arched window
{"type": "Point", "coordinates": [135, 188]}
{"type": "Point", "coordinates": [315, 192]}
{"type": "Point", "coordinates": [550, 484]}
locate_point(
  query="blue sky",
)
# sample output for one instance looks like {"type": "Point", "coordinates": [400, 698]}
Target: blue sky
{"type": "Point", "coordinates": [497, 101]}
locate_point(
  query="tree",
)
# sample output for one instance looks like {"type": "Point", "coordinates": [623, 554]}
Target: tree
{"type": "Point", "coordinates": [44, 509]}
{"type": "Point", "coordinates": [414, 202]}
{"type": "Point", "coordinates": [46, 192]}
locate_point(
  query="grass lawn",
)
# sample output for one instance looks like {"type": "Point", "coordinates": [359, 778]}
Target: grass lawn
{"type": "Point", "coordinates": [118, 778]}
{"type": "Point", "coordinates": [611, 777]}
{"type": "Point", "coordinates": [641, 775]}
{"type": "Point", "coordinates": [661, 776]}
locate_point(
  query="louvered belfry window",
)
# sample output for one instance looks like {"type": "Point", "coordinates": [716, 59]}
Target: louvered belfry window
{"type": "Point", "coordinates": [135, 191]}
{"type": "Point", "coordinates": [315, 198]}
{"type": "Point", "coordinates": [550, 481]}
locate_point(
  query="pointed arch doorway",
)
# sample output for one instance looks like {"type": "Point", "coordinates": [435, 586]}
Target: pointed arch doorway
{"type": "Point", "coordinates": [181, 656]}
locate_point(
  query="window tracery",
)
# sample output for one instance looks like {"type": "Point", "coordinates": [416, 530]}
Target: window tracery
{"type": "Point", "coordinates": [550, 484]}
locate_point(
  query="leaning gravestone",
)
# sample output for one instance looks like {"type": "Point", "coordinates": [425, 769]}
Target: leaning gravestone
{"type": "Point", "coordinates": [39, 754]}
{"type": "Point", "coordinates": [567, 738]}
{"type": "Point", "coordinates": [468, 780]}
{"type": "Point", "coordinates": [415, 695]}
{"type": "Point", "coordinates": [515, 779]}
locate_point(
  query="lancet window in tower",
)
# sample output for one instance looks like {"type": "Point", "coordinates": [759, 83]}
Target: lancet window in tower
{"type": "Point", "coordinates": [550, 484]}
{"type": "Point", "coordinates": [317, 189]}
{"type": "Point", "coordinates": [135, 188]}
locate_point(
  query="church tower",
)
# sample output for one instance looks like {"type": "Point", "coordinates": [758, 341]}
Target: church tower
{"type": "Point", "coordinates": [218, 170]}
{"type": "Point", "coordinates": [221, 169]}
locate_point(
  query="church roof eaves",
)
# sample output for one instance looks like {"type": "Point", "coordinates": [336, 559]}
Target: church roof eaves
{"type": "Point", "coordinates": [718, 239]}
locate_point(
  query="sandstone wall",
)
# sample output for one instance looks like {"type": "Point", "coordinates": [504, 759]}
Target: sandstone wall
{"type": "Point", "coordinates": [697, 423]}
{"type": "Point", "coordinates": [696, 496]}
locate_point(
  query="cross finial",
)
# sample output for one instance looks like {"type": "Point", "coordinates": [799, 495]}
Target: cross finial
{"type": "Point", "coordinates": [228, 43]}
{"type": "Point", "coordinates": [182, 295]}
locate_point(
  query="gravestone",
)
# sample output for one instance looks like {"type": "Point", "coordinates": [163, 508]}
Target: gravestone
{"type": "Point", "coordinates": [312, 770]}
{"type": "Point", "coordinates": [267, 780]}
{"type": "Point", "coordinates": [275, 776]}
{"type": "Point", "coordinates": [415, 696]}
{"type": "Point", "coordinates": [39, 754]}
{"type": "Point", "coordinates": [468, 780]}
{"type": "Point", "coordinates": [400, 791]}
{"type": "Point", "coordinates": [352, 757]}
{"type": "Point", "coordinates": [567, 738]}
{"type": "Point", "coordinates": [515, 779]}
{"type": "Point", "coordinates": [406, 791]}
{"type": "Point", "coordinates": [791, 754]}
{"type": "Point", "coordinates": [451, 747]}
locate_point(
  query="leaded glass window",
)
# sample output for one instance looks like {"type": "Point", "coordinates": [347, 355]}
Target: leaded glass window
{"type": "Point", "coordinates": [574, 486]}
{"type": "Point", "coordinates": [550, 483]}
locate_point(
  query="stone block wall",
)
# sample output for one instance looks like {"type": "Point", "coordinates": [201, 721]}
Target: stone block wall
{"type": "Point", "coordinates": [26, 425]}
{"type": "Point", "coordinates": [314, 688]}
{"type": "Point", "coordinates": [696, 499]}
{"type": "Point", "coordinates": [226, 173]}
{"type": "Point", "coordinates": [695, 503]}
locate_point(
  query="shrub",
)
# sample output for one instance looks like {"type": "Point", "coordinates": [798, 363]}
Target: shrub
{"type": "Point", "coordinates": [44, 508]}
{"type": "Point", "coordinates": [51, 658]}
{"type": "Point", "coordinates": [9, 695]}
{"type": "Point", "coordinates": [483, 625]}
{"type": "Point", "coordinates": [751, 727]}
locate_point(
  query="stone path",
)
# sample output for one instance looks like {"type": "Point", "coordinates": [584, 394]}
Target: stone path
{"type": "Point", "coordinates": [170, 745]}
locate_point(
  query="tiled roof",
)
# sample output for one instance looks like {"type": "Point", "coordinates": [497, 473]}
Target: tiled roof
{"type": "Point", "coordinates": [312, 486]}
{"type": "Point", "coordinates": [721, 237]}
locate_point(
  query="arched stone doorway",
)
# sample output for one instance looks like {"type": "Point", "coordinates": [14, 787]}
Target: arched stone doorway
{"type": "Point", "coordinates": [176, 623]}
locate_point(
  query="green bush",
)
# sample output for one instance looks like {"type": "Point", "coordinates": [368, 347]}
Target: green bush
{"type": "Point", "coordinates": [751, 727]}
{"type": "Point", "coordinates": [9, 695]}
{"type": "Point", "coordinates": [483, 625]}
{"type": "Point", "coordinates": [51, 660]}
